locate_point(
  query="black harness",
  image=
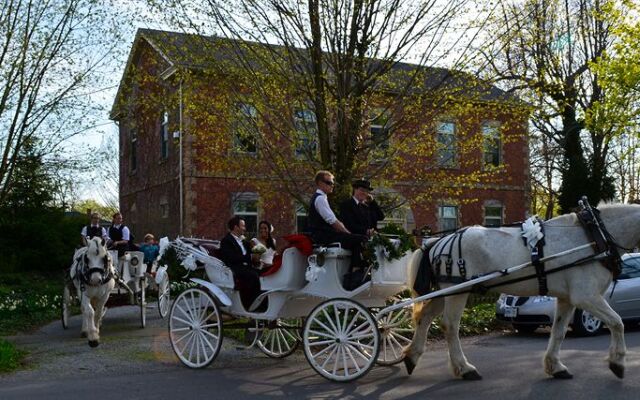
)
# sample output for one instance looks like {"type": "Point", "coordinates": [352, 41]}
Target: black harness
{"type": "Point", "coordinates": [83, 272]}
{"type": "Point", "coordinates": [429, 272]}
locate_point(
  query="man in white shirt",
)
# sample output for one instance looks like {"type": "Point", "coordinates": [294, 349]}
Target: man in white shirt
{"type": "Point", "coordinates": [120, 235]}
{"type": "Point", "coordinates": [326, 228]}
{"type": "Point", "coordinates": [93, 229]}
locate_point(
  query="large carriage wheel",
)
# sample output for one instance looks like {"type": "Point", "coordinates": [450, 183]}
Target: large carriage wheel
{"type": "Point", "coordinates": [396, 333]}
{"type": "Point", "coordinates": [341, 340]}
{"type": "Point", "coordinates": [65, 306]}
{"type": "Point", "coordinates": [164, 297]}
{"type": "Point", "coordinates": [143, 302]}
{"type": "Point", "coordinates": [195, 328]}
{"type": "Point", "coordinates": [280, 338]}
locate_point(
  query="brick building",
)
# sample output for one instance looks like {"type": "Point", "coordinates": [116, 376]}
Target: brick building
{"type": "Point", "coordinates": [166, 188]}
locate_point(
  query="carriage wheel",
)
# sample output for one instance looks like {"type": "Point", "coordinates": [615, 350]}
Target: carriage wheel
{"type": "Point", "coordinates": [143, 303]}
{"type": "Point", "coordinates": [195, 328]}
{"type": "Point", "coordinates": [65, 306]}
{"type": "Point", "coordinates": [164, 298]}
{"type": "Point", "coordinates": [341, 340]}
{"type": "Point", "coordinates": [396, 332]}
{"type": "Point", "coordinates": [280, 338]}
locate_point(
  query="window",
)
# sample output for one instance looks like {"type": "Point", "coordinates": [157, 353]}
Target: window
{"type": "Point", "coordinates": [164, 136]}
{"type": "Point", "coordinates": [245, 205]}
{"type": "Point", "coordinates": [493, 215]}
{"type": "Point", "coordinates": [380, 130]}
{"type": "Point", "coordinates": [164, 207]}
{"type": "Point", "coordinates": [133, 137]}
{"type": "Point", "coordinates": [302, 217]}
{"type": "Point", "coordinates": [306, 128]}
{"type": "Point", "coordinates": [245, 128]}
{"type": "Point", "coordinates": [491, 145]}
{"type": "Point", "coordinates": [446, 132]}
{"type": "Point", "coordinates": [447, 218]}
{"type": "Point", "coordinates": [630, 268]}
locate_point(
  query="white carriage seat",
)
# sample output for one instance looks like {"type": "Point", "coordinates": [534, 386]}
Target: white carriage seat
{"type": "Point", "coordinates": [290, 276]}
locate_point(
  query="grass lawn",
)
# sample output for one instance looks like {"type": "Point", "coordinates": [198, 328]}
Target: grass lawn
{"type": "Point", "coordinates": [27, 301]}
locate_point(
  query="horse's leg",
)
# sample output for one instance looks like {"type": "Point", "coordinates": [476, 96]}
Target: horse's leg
{"type": "Point", "coordinates": [100, 310]}
{"type": "Point", "coordinates": [423, 315]}
{"type": "Point", "coordinates": [85, 328]}
{"type": "Point", "coordinates": [617, 349]}
{"type": "Point", "coordinates": [453, 308]}
{"type": "Point", "coordinates": [551, 360]}
{"type": "Point", "coordinates": [88, 315]}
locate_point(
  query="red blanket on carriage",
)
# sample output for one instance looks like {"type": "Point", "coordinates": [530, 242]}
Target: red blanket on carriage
{"type": "Point", "coordinates": [301, 242]}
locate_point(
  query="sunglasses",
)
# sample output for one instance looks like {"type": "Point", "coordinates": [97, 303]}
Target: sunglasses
{"type": "Point", "coordinates": [330, 183]}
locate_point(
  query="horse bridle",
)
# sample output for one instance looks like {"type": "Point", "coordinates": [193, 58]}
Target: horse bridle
{"type": "Point", "coordinates": [105, 272]}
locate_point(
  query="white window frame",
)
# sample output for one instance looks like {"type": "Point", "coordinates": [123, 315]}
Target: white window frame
{"type": "Point", "coordinates": [245, 120]}
{"type": "Point", "coordinates": [300, 211]}
{"type": "Point", "coordinates": [491, 141]}
{"type": "Point", "coordinates": [380, 126]}
{"type": "Point", "coordinates": [442, 226]}
{"type": "Point", "coordinates": [449, 146]}
{"type": "Point", "coordinates": [493, 217]}
{"type": "Point", "coordinates": [247, 215]}
{"type": "Point", "coordinates": [133, 151]}
{"type": "Point", "coordinates": [164, 136]}
{"type": "Point", "coordinates": [306, 127]}
{"type": "Point", "coordinates": [164, 207]}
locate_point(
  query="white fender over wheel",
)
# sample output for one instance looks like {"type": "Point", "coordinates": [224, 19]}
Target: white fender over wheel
{"type": "Point", "coordinates": [341, 340]}
{"type": "Point", "coordinates": [143, 303]}
{"type": "Point", "coordinates": [195, 328]}
{"type": "Point", "coordinates": [396, 333]}
{"type": "Point", "coordinates": [280, 338]}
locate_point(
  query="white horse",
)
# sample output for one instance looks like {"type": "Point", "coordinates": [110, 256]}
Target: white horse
{"type": "Point", "coordinates": [490, 249]}
{"type": "Point", "coordinates": [92, 275]}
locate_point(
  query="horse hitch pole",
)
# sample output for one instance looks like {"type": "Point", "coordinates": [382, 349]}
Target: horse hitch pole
{"type": "Point", "coordinates": [472, 282]}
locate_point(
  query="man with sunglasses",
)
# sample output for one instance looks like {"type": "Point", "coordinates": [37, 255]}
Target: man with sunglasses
{"type": "Point", "coordinates": [326, 228]}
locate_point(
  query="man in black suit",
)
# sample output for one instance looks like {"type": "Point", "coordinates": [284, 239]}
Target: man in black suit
{"type": "Point", "coordinates": [358, 218]}
{"type": "Point", "coordinates": [360, 214]}
{"type": "Point", "coordinates": [235, 252]}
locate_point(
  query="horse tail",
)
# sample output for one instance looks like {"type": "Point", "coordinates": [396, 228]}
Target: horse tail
{"type": "Point", "coordinates": [412, 269]}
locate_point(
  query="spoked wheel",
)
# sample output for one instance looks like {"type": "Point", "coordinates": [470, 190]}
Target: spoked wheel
{"type": "Point", "coordinates": [66, 306]}
{"type": "Point", "coordinates": [280, 338]}
{"type": "Point", "coordinates": [143, 303]}
{"type": "Point", "coordinates": [164, 297]}
{"type": "Point", "coordinates": [396, 332]}
{"type": "Point", "coordinates": [195, 328]}
{"type": "Point", "coordinates": [341, 340]}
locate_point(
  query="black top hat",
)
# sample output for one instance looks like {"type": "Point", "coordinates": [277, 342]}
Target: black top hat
{"type": "Point", "coordinates": [362, 183]}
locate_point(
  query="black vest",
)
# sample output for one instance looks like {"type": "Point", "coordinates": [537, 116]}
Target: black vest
{"type": "Point", "coordinates": [115, 233]}
{"type": "Point", "coordinates": [315, 222]}
{"type": "Point", "coordinates": [93, 231]}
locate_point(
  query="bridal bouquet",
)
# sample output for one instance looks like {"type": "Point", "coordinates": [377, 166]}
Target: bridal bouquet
{"type": "Point", "coordinates": [258, 249]}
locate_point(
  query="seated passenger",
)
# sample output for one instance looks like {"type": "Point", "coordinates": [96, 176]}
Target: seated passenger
{"type": "Point", "coordinates": [263, 247]}
{"type": "Point", "coordinates": [325, 228]}
{"type": "Point", "coordinates": [150, 250]}
{"type": "Point", "coordinates": [122, 239]}
{"type": "Point", "coordinates": [93, 229]}
{"type": "Point", "coordinates": [235, 252]}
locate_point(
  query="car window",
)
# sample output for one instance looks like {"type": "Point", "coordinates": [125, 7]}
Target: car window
{"type": "Point", "coordinates": [630, 268]}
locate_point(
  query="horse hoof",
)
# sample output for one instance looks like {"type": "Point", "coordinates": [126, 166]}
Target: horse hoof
{"type": "Point", "coordinates": [83, 334]}
{"type": "Point", "coordinates": [94, 343]}
{"type": "Point", "coordinates": [409, 364]}
{"type": "Point", "coordinates": [617, 369]}
{"type": "Point", "coordinates": [563, 375]}
{"type": "Point", "coordinates": [472, 376]}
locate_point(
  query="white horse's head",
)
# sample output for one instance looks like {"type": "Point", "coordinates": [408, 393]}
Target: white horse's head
{"type": "Point", "coordinates": [623, 222]}
{"type": "Point", "coordinates": [97, 261]}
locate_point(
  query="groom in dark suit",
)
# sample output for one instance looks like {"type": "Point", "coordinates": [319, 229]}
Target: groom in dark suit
{"type": "Point", "coordinates": [235, 252]}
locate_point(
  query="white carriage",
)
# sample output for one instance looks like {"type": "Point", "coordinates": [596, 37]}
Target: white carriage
{"type": "Point", "coordinates": [341, 338]}
{"type": "Point", "coordinates": [133, 279]}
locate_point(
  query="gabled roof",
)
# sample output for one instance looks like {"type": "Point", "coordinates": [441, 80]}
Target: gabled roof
{"type": "Point", "coordinates": [197, 52]}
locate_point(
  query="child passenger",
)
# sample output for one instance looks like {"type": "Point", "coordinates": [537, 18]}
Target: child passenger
{"type": "Point", "coordinates": [150, 250]}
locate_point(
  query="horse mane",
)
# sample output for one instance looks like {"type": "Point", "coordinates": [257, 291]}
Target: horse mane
{"type": "Point", "coordinates": [571, 219]}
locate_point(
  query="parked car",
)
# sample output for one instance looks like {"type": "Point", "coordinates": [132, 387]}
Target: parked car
{"type": "Point", "coordinates": [526, 314]}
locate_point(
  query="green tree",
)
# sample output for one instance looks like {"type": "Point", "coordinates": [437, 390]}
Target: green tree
{"type": "Point", "coordinates": [544, 50]}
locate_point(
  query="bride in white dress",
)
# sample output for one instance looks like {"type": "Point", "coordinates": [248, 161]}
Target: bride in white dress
{"type": "Point", "coordinates": [264, 244]}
